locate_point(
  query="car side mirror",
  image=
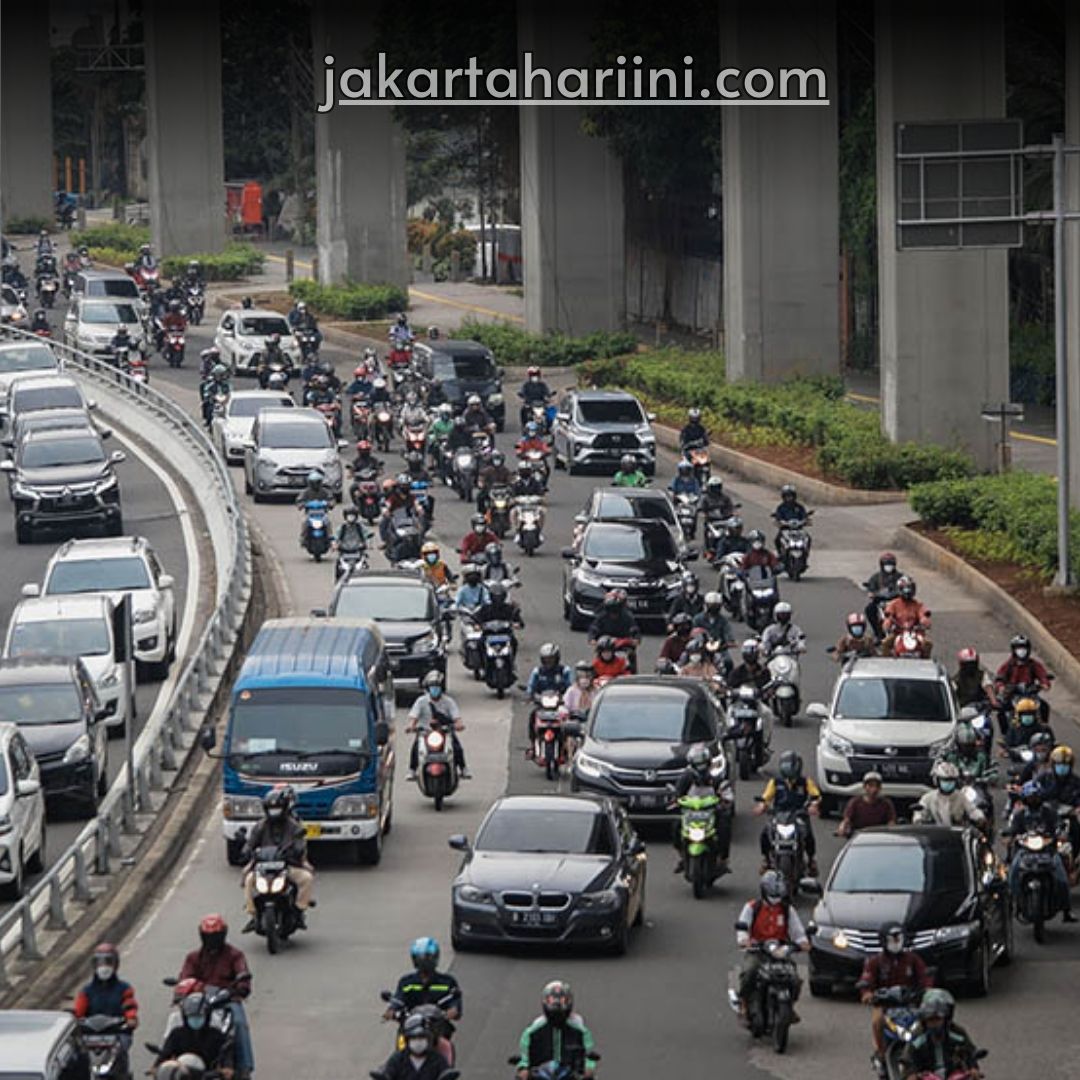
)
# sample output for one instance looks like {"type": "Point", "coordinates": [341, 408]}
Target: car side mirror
{"type": "Point", "coordinates": [91, 404]}
{"type": "Point", "coordinates": [342, 444]}
{"type": "Point", "coordinates": [562, 417]}
{"type": "Point", "coordinates": [30, 589]}
{"type": "Point", "coordinates": [207, 737]}
{"type": "Point", "coordinates": [816, 711]}
{"type": "Point", "coordinates": [8, 465]}
{"type": "Point", "coordinates": [101, 715]}
{"type": "Point", "coordinates": [319, 613]}
{"type": "Point", "coordinates": [811, 887]}
{"type": "Point", "coordinates": [968, 713]}
{"type": "Point", "coordinates": [569, 553]}
{"type": "Point", "coordinates": [166, 581]}
{"type": "Point", "coordinates": [27, 787]}
{"type": "Point", "coordinates": [382, 733]}
{"type": "Point", "coordinates": [581, 519]}
{"type": "Point", "coordinates": [459, 842]}
{"type": "Point", "coordinates": [812, 928]}
{"type": "Point", "coordinates": [650, 416]}
{"type": "Point", "coordinates": [636, 846]}
{"type": "Point", "coordinates": [117, 456]}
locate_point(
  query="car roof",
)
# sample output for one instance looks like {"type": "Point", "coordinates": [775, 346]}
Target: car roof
{"type": "Point", "coordinates": [604, 395]}
{"type": "Point", "coordinates": [398, 577]}
{"type": "Point", "coordinates": [631, 493]}
{"type": "Point", "coordinates": [457, 345]}
{"type": "Point", "coordinates": [256, 313]}
{"type": "Point", "coordinates": [291, 416]}
{"type": "Point", "coordinates": [100, 547]}
{"type": "Point", "coordinates": [95, 274]}
{"type": "Point", "coordinates": [655, 525]}
{"type": "Point", "coordinates": [29, 1035]}
{"type": "Point", "coordinates": [569, 803]}
{"type": "Point", "coordinates": [687, 687]}
{"type": "Point", "coordinates": [22, 343]}
{"type": "Point", "coordinates": [57, 434]}
{"type": "Point", "coordinates": [936, 836]}
{"type": "Point", "coordinates": [16, 670]}
{"type": "Point", "coordinates": [276, 395]}
{"type": "Point", "coordinates": [39, 380]}
{"type": "Point", "coordinates": [886, 667]}
{"type": "Point", "coordinates": [68, 606]}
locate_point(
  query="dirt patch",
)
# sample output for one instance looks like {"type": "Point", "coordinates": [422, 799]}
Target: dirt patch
{"type": "Point", "coordinates": [1059, 614]}
{"type": "Point", "coordinates": [798, 459]}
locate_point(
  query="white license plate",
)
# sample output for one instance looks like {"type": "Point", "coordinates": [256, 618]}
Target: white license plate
{"type": "Point", "coordinates": [534, 918]}
{"type": "Point", "coordinates": [640, 604]}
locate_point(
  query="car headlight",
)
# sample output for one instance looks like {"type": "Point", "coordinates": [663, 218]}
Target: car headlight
{"type": "Point", "coordinates": [110, 680]}
{"type": "Point", "coordinates": [961, 932]}
{"type": "Point", "coordinates": [940, 746]}
{"type": "Point", "coordinates": [589, 766]}
{"type": "Point", "coordinates": [839, 745]}
{"type": "Point", "coordinates": [428, 643]}
{"type": "Point", "coordinates": [833, 935]}
{"type": "Point", "coordinates": [5, 824]}
{"type": "Point", "coordinates": [602, 900]}
{"type": "Point", "coordinates": [587, 577]}
{"type": "Point", "coordinates": [79, 750]}
{"type": "Point", "coordinates": [106, 483]}
{"type": "Point", "coordinates": [18, 316]}
{"type": "Point", "coordinates": [495, 399]}
{"type": "Point", "coordinates": [242, 806]}
{"type": "Point", "coordinates": [470, 894]}
{"type": "Point", "coordinates": [144, 616]}
{"type": "Point", "coordinates": [363, 806]}
{"type": "Point", "coordinates": [21, 491]}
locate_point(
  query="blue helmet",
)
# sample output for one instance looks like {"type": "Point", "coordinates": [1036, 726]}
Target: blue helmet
{"type": "Point", "coordinates": [1032, 790]}
{"type": "Point", "coordinates": [424, 953]}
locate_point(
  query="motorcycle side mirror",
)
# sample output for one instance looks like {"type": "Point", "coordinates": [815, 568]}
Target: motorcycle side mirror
{"type": "Point", "coordinates": [812, 928]}
{"type": "Point", "coordinates": [153, 1048]}
{"type": "Point", "coordinates": [207, 737]}
{"type": "Point", "coordinates": [117, 456]}
{"type": "Point", "coordinates": [968, 713]}
{"type": "Point", "coordinates": [319, 613]}
{"type": "Point", "coordinates": [459, 842]}
{"type": "Point", "coordinates": [980, 1054]}
{"type": "Point", "coordinates": [572, 728]}
{"type": "Point", "coordinates": [563, 418]}
{"type": "Point", "coordinates": [816, 711]}
{"type": "Point", "coordinates": [382, 733]}
{"type": "Point", "coordinates": [567, 552]}
{"type": "Point", "coordinates": [811, 887]}
{"type": "Point", "coordinates": [386, 995]}
{"type": "Point", "coordinates": [830, 649]}
{"type": "Point", "coordinates": [513, 1059]}
{"type": "Point", "coordinates": [8, 465]}
{"type": "Point", "coordinates": [105, 433]}
{"type": "Point", "coordinates": [170, 980]}
{"type": "Point", "coordinates": [691, 555]}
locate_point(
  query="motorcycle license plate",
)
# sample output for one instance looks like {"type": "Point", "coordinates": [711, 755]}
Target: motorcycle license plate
{"type": "Point", "coordinates": [533, 918]}
{"type": "Point", "coordinates": [639, 603]}
{"type": "Point", "coordinates": [312, 830]}
{"type": "Point", "coordinates": [646, 802]}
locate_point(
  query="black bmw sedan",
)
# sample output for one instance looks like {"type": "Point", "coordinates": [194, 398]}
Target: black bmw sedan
{"type": "Point", "coordinates": [550, 869]}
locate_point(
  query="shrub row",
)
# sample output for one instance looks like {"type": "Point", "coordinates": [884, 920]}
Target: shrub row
{"type": "Point", "coordinates": [235, 262]}
{"type": "Point", "coordinates": [23, 225]}
{"type": "Point", "coordinates": [848, 441]}
{"type": "Point", "coordinates": [351, 301]}
{"type": "Point", "coordinates": [512, 345]}
{"type": "Point", "coordinates": [115, 235]}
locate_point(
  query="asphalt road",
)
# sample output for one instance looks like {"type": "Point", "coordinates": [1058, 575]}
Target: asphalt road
{"type": "Point", "coordinates": [315, 1008]}
{"type": "Point", "coordinates": [149, 511]}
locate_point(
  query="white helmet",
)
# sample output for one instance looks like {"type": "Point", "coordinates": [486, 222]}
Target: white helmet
{"type": "Point", "coordinates": [944, 770]}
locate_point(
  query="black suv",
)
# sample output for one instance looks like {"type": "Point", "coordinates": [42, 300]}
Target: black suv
{"type": "Point", "coordinates": [404, 605]}
{"type": "Point", "coordinates": [61, 479]}
{"type": "Point", "coordinates": [461, 368]}
{"type": "Point", "coordinates": [52, 700]}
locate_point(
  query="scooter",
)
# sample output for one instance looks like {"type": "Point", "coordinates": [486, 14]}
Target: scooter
{"type": "Point", "coordinates": [277, 917]}
{"type": "Point", "coordinates": [105, 1041]}
{"type": "Point", "coordinates": [350, 561]}
{"type": "Point", "coordinates": [900, 1005]}
{"type": "Point", "coordinates": [463, 472]}
{"type": "Point", "coordinates": [361, 419]}
{"type": "Point", "coordinates": [705, 851]}
{"type": "Point", "coordinates": [784, 688]}
{"type": "Point", "coordinates": [529, 512]}
{"type": "Point", "coordinates": [136, 369]}
{"type": "Point", "coordinates": [686, 512]}
{"type": "Point", "coordinates": [498, 513]}
{"type": "Point", "coordinates": [173, 348]}
{"type": "Point", "coordinates": [794, 550]}
{"type": "Point", "coordinates": [787, 846]}
{"type": "Point", "coordinates": [308, 340]}
{"type": "Point", "coordinates": [747, 732]}
{"type": "Point", "coordinates": [383, 426]}
{"type": "Point", "coordinates": [438, 1022]}
{"type": "Point", "coordinates": [472, 635]}
{"type": "Point", "coordinates": [317, 528]}
{"type": "Point", "coordinates": [732, 584]}
{"type": "Point", "coordinates": [47, 288]}
{"type": "Point", "coordinates": [770, 1010]}
{"type": "Point", "coordinates": [762, 595]}
{"type": "Point", "coordinates": [548, 749]}
{"type": "Point", "coordinates": [437, 772]}
{"type": "Point", "coordinates": [1038, 902]}
{"type": "Point", "coordinates": [498, 653]}
{"type": "Point", "coordinates": [364, 491]}
{"type": "Point", "coordinates": [196, 303]}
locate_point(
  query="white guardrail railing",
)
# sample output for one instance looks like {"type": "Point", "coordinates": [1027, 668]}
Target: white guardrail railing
{"type": "Point", "coordinates": [30, 927]}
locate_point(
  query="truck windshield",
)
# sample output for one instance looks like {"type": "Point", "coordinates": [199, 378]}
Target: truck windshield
{"type": "Point", "coordinates": [299, 720]}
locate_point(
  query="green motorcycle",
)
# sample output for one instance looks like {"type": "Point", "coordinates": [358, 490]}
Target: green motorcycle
{"type": "Point", "coordinates": [701, 840]}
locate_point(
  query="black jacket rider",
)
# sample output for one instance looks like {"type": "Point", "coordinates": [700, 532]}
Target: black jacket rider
{"type": "Point", "coordinates": [616, 623]}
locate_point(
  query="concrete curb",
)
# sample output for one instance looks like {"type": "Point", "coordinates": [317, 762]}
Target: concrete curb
{"type": "Point", "coordinates": [1056, 657]}
{"type": "Point", "coordinates": [754, 469]}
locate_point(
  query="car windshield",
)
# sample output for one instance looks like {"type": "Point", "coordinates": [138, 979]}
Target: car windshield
{"type": "Point", "coordinates": [112, 287]}
{"type": "Point", "coordinates": [26, 358]}
{"type": "Point", "coordinates": [98, 575]}
{"type": "Point", "coordinates": [33, 399]}
{"type": "Point", "coordinates": [378, 600]}
{"type": "Point", "coordinates": [264, 326]}
{"type": "Point", "coordinates": [108, 313]}
{"type": "Point", "coordinates": [625, 713]}
{"type": "Point", "coordinates": [646, 507]}
{"type": "Point", "coordinates": [565, 832]}
{"type": "Point", "coordinates": [48, 703]}
{"type": "Point", "coordinates": [56, 453]}
{"type": "Point", "coordinates": [296, 436]}
{"type": "Point", "coordinates": [899, 868]}
{"type": "Point", "coordinates": [298, 720]}
{"type": "Point", "coordinates": [893, 699]}
{"type": "Point", "coordinates": [620, 542]}
{"type": "Point", "coordinates": [463, 366]}
{"type": "Point", "coordinates": [248, 407]}
{"type": "Point", "coordinates": [611, 411]}
{"type": "Point", "coordinates": [60, 637]}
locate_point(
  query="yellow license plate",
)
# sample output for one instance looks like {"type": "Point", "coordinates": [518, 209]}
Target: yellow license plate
{"type": "Point", "coordinates": [312, 831]}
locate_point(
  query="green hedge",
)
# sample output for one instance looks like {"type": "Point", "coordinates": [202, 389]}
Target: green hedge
{"type": "Point", "coordinates": [512, 345]}
{"type": "Point", "coordinates": [357, 303]}
{"type": "Point", "coordinates": [990, 516]}
{"type": "Point", "coordinates": [24, 225]}
{"type": "Point", "coordinates": [804, 412]}
{"type": "Point", "coordinates": [235, 262]}
{"type": "Point", "coordinates": [115, 235]}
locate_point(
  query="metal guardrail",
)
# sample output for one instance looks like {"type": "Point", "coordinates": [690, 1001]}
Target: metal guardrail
{"type": "Point", "coordinates": [162, 746]}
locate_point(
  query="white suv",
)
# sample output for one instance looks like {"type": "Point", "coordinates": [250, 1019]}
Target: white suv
{"type": "Point", "coordinates": [888, 716]}
{"type": "Point", "coordinates": [22, 812]}
{"type": "Point", "coordinates": [112, 567]}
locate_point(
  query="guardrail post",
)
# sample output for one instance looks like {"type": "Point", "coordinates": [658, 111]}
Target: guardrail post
{"type": "Point", "coordinates": [112, 834]}
{"type": "Point", "coordinates": [142, 789]}
{"type": "Point", "coordinates": [30, 950]}
{"type": "Point", "coordinates": [5, 982]}
{"type": "Point", "coordinates": [127, 811]}
{"type": "Point", "coordinates": [153, 763]}
{"type": "Point", "coordinates": [82, 891]}
{"type": "Point", "coordinates": [202, 676]}
{"type": "Point", "coordinates": [101, 848]}
{"type": "Point", "coordinates": [170, 737]}
{"type": "Point", "coordinates": [57, 918]}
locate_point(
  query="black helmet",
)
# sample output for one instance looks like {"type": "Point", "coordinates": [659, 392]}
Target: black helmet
{"type": "Point", "coordinates": [606, 644]}
{"type": "Point", "coordinates": [174, 306]}
{"type": "Point", "coordinates": [494, 553]}
{"type": "Point", "coordinates": [892, 937]}
{"type": "Point", "coordinates": [279, 801]}
{"type": "Point", "coordinates": [689, 583]}
{"type": "Point", "coordinates": [549, 655]}
{"type": "Point", "coordinates": [698, 757]}
{"type": "Point", "coordinates": [788, 493]}
{"type": "Point", "coordinates": [751, 647]}
{"type": "Point", "coordinates": [1020, 646]}
{"type": "Point", "coordinates": [557, 1000]}
{"type": "Point", "coordinates": [682, 622]}
{"type": "Point", "coordinates": [790, 765]}
{"type": "Point", "coordinates": [497, 590]}
{"type": "Point", "coordinates": [247, 303]}
{"type": "Point", "coordinates": [772, 886]}
{"type": "Point", "coordinates": [498, 458]}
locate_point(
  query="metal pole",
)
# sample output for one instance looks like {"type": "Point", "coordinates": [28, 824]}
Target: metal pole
{"type": "Point", "coordinates": [1064, 572]}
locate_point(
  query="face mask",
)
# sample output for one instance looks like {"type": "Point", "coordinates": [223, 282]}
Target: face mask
{"type": "Point", "coordinates": [435, 692]}
{"type": "Point", "coordinates": [1020, 654]}
{"type": "Point", "coordinates": [857, 631]}
{"type": "Point", "coordinates": [1027, 719]}
{"type": "Point", "coordinates": [196, 1023]}
{"type": "Point", "coordinates": [948, 786]}
{"type": "Point", "coordinates": [583, 682]}
{"type": "Point", "coordinates": [757, 545]}
{"type": "Point", "coordinates": [894, 946]}
{"type": "Point", "coordinates": [104, 972]}
{"type": "Point", "coordinates": [888, 568]}
{"type": "Point", "coordinates": [418, 1047]}
{"type": "Point", "coordinates": [479, 529]}
{"type": "Point", "coordinates": [1061, 770]}
{"type": "Point", "coordinates": [432, 558]}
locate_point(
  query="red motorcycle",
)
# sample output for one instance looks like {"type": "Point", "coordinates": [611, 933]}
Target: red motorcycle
{"type": "Point", "coordinates": [399, 356]}
{"type": "Point", "coordinates": [148, 278]}
{"type": "Point", "coordinates": [549, 749]}
{"type": "Point", "coordinates": [173, 347]}
{"type": "Point", "coordinates": [383, 427]}
{"type": "Point", "coordinates": [361, 419]}
{"type": "Point", "coordinates": [415, 439]}
{"type": "Point", "coordinates": [366, 496]}
{"type": "Point", "coordinates": [137, 369]}
{"type": "Point", "coordinates": [331, 413]}
{"type": "Point", "coordinates": [910, 642]}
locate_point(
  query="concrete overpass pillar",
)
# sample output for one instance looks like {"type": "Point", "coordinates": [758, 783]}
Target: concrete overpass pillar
{"type": "Point", "coordinates": [26, 165]}
{"type": "Point", "coordinates": [572, 220]}
{"type": "Point", "coordinates": [781, 199]}
{"type": "Point", "coordinates": [944, 314]}
{"type": "Point", "coordinates": [185, 145]}
{"type": "Point", "coordinates": [359, 164]}
{"type": "Point", "coordinates": [1072, 241]}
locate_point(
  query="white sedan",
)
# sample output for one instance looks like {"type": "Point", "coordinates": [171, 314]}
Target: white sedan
{"type": "Point", "coordinates": [242, 335]}
{"type": "Point", "coordinates": [231, 431]}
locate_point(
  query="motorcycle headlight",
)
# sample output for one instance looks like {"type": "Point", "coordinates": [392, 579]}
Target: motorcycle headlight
{"type": "Point", "coordinates": [262, 885]}
{"type": "Point", "coordinates": [495, 399]}
{"type": "Point", "coordinates": [472, 895]}
{"type": "Point", "coordinates": [839, 745]}
{"type": "Point", "coordinates": [79, 750]}
{"type": "Point", "coordinates": [242, 806]}
{"type": "Point", "coordinates": [697, 833]}
{"type": "Point", "coordinates": [589, 766]}
{"type": "Point", "coordinates": [355, 806]}
{"type": "Point", "coordinates": [278, 884]}
{"type": "Point", "coordinates": [605, 898]}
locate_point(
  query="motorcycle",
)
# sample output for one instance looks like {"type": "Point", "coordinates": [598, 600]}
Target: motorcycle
{"type": "Point", "coordinates": [717, 529]}
{"type": "Point", "coordinates": [317, 528]}
{"type": "Point", "coordinates": [762, 595]}
{"type": "Point", "coordinates": [399, 358]}
{"type": "Point", "coordinates": [415, 438]}
{"type": "Point", "coordinates": [498, 656]}
{"type": "Point", "coordinates": [219, 1002]}
{"type": "Point", "coordinates": [404, 540]}
{"type": "Point", "coordinates": [148, 278]}
{"type": "Point", "coordinates": [1038, 900]}
{"type": "Point", "coordinates": [794, 545]}
{"type": "Point", "coordinates": [382, 428]}
{"type": "Point", "coordinates": [277, 917]}
{"type": "Point", "coordinates": [732, 584]}
{"type": "Point", "coordinates": [784, 686]}
{"type": "Point", "coordinates": [360, 412]}
{"type": "Point", "coordinates": [787, 846]}
{"type": "Point", "coordinates": [705, 850]}
{"type": "Point", "coordinates": [549, 739]}
{"type": "Point", "coordinates": [136, 369]}
{"type": "Point", "coordinates": [438, 1022]}
{"type": "Point", "coordinates": [331, 413]}
{"type": "Point", "coordinates": [463, 472]}
{"type": "Point", "coordinates": [47, 288]}
{"type": "Point", "coordinates": [747, 732]}
{"type": "Point", "coordinates": [529, 516]}
{"type": "Point", "coordinates": [365, 494]}
{"type": "Point", "coordinates": [498, 513]}
{"type": "Point", "coordinates": [437, 773]}
{"type": "Point", "coordinates": [769, 1010]}
{"type": "Point", "coordinates": [350, 561]}
{"type": "Point", "coordinates": [472, 635]}
{"type": "Point", "coordinates": [698, 456]}
{"type": "Point", "coordinates": [538, 463]}
{"type": "Point", "coordinates": [105, 1040]}
{"type": "Point", "coordinates": [901, 1008]}
{"type": "Point", "coordinates": [44, 332]}
{"type": "Point", "coordinates": [173, 348]}
{"type": "Point", "coordinates": [308, 340]}
{"type": "Point", "coordinates": [425, 506]}
{"type": "Point", "coordinates": [686, 513]}
{"type": "Point", "coordinates": [910, 644]}
{"type": "Point", "coordinates": [195, 299]}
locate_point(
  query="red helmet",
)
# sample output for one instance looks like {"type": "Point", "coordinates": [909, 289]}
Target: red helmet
{"type": "Point", "coordinates": [388, 485]}
{"type": "Point", "coordinates": [967, 656]}
{"type": "Point", "coordinates": [359, 370]}
{"type": "Point", "coordinates": [213, 924]}
{"type": "Point", "coordinates": [856, 618]}
{"type": "Point", "coordinates": [363, 446]}
{"type": "Point", "coordinates": [534, 370]}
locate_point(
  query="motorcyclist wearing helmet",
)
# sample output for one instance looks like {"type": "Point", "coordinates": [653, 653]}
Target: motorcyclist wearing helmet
{"type": "Point", "coordinates": [698, 662]}
{"type": "Point", "coordinates": [550, 673]}
{"type": "Point", "coordinates": [494, 474]}
{"type": "Point", "coordinates": [315, 490]}
{"type": "Point", "coordinates": [365, 460]}
{"type": "Point", "coordinates": [380, 392]}
{"type": "Point", "coordinates": [196, 1035]}
{"type": "Point", "coordinates": [945, 804]}
{"type": "Point", "coordinates": [1040, 767]}
{"type": "Point", "coordinates": [527, 481]}
{"type": "Point", "coordinates": [782, 633]}
{"type": "Point", "coordinates": [413, 414]}
{"type": "Point", "coordinates": [690, 600]}
{"type": "Point", "coordinates": [971, 683]}
{"type": "Point", "coordinates": [216, 963]}
{"type": "Point", "coordinates": [361, 386]}
{"type": "Point", "coordinates": [712, 620]}
{"type": "Point", "coordinates": [476, 539]}
{"type": "Point", "coordinates": [279, 828]}
{"type": "Point", "coordinates": [1022, 669]}
{"type": "Point", "coordinates": [435, 706]}
{"type": "Point", "coordinates": [769, 918]}
{"type": "Point", "coordinates": [39, 321]}
{"type": "Point", "coordinates": [579, 697]}
{"type": "Point", "coordinates": [906, 613]}
{"type": "Point", "coordinates": [855, 641]}
{"type": "Point", "coordinates": [716, 503]}
{"type": "Point", "coordinates": [684, 481]}
{"type": "Point", "coordinates": [697, 775]}
{"type": "Point", "coordinates": [868, 810]}
{"type": "Point", "coordinates": [614, 619]}
{"type": "Point", "coordinates": [759, 555]}
{"type": "Point", "coordinates": [790, 512]}
{"type": "Point", "coordinates": [969, 756]}
{"type": "Point", "coordinates": [791, 791]}
{"type": "Point", "coordinates": [1026, 723]}
{"type": "Point", "coordinates": [493, 565]}
{"type": "Point", "coordinates": [352, 536]}
{"type": "Point", "coordinates": [1062, 786]}
{"type": "Point", "coordinates": [693, 435]}
{"type": "Point", "coordinates": [532, 438]}
{"type": "Point", "coordinates": [425, 984]}
{"type": "Point", "coordinates": [751, 670]}
{"type": "Point", "coordinates": [439, 430]}
{"type": "Point", "coordinates": [476, 417]}
{"type": "Point", "coordinates": [272, 353]}
{"type": "Point", "coordinates": [145, 259]}
{"type": "Point", "coordinates": [1035, 815]}
{"type": "Point", "coordinates": [401, 333]}
{"type": "Point", "coordinates": [941, 1047]}
{"type": "Point", "coordinates": [209, 358]}
{"type": "Point", "coordinates": [675, 643]}
{"type": "Point", "coordinates": [122, 339]}
{"type": "Point", "coordinates": [473, 593]}
{"type": "Point", "coordinates": [420, 1058]}
{"type": "Point", "coordinates": [434, 566]}
{"type": "Point", "coordinates": [630, 473]}
{"type": "Point", "coordinates": [608, 664]}
{"type": "Point", "coordinates": [173, 319]}
{"type": "Point", "coordinates": [500, 608]}
{"type": "Point", "coordinates": [892, 966]}
{"type": "Point", "coordinates": [882, 586]}
{"type": "Point", "coordinates": [534, 391]}
{"type": "Point", "coordinates": [106, 994]}
{"type": "Point", "coordinates": [400, 514]}
{"type": "Point", "coordinates": [559, 1034]}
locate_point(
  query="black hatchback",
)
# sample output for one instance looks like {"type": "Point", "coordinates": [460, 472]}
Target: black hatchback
{"type": "Point", "coordinates": [944, 885]}
{"type": "Point", "coordinates": [461, 368]}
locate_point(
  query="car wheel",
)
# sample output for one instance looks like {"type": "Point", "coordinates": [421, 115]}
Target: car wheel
{"type": "Point", "coordinates": [621, 938]}
{"type": "Point", "coordinates": [24, 534]}
{"type": "Point", "coordinates": [979, 985]}
{"type": "Point", "coordinates": [36, 863]}
{"type": "Point", "coordinates": [13, 890]}
{"type": "Point", "coordinates": [457, 942]}
{"type": "Point", "coordinates": [369, 852]}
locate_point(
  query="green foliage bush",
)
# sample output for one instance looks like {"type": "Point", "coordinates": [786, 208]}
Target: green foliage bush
{"type": "Point", "coordinates": [23, 225]}
{"type": "Point", "coordinates": [808, 412]}
{"type": "Point", "coordinates": [351, 301]}
{"type": "Point", "coordinates": [235, 262]}
{"type": "Point", "coordinates": [110, 256]}
{"type": "Point", "coordinates": [115, 235]}
{"type": "Point", "coordinates": [513, 345]}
